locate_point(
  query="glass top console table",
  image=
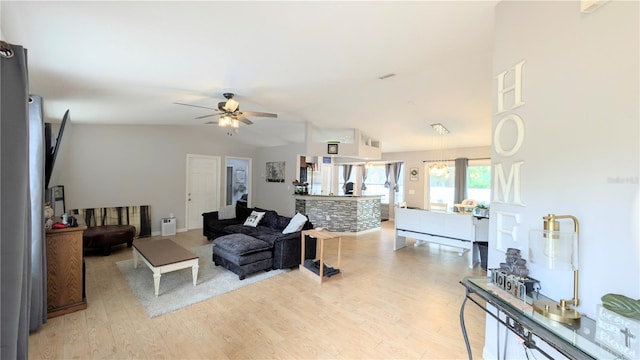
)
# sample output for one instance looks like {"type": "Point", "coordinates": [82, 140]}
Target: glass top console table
{"type": "Point", "coordinates": [572, 341]}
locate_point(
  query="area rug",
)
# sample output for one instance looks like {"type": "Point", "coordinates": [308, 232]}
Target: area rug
{"type": "Point", "coordinates": [176, 288]}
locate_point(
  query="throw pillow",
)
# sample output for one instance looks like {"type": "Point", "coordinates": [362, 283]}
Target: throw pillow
{"type": "Point", "coordinates": [254, 219]}
{"type": "Point", "coordinates": [270, 219]}
{"type": "Point", "coordinates": [227, 212]}
{"type": "Point", "coordinates": [296, 224]}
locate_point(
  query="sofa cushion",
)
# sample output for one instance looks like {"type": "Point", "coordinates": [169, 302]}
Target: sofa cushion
{"type": "Point", "coordinates": [238, 229]}
{"type": "Point", "coordinates": [266, 234]}
{"type": "Point", "coordinates": [248, 230]}
{"type": "Point", "coordinates": [270, 219]}
{"type": "Point", "coordinates": [242, 259]}
{"type": "Point", "coordinates": [295, 224]}
{"type": "Point", "coordinates": [242, 212]}
{"type": "Point", "coordinates": [219, 225]}
{"type": "Point", "coordinates": [283, 221]}
{"type": "Point", "coordinates": [269, 235]}
{"type": "Point", "coordinates": [240, 244]}
{"type": "Point", "coordinates": [254, 219]}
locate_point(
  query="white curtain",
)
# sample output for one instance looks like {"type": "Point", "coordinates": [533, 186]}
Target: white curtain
{"type": "Point", "coordinates": [38, 304]}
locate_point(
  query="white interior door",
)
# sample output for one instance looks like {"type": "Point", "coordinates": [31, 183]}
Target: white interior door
{"type": "Point", "coordinates": [203, 190]}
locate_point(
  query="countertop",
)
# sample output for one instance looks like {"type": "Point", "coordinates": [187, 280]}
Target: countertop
{"type": "Point", "coordinates": [338, 197]}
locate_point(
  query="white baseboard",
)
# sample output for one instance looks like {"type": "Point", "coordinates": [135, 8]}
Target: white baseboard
{"type": "Point", "coordinates": [159, 233]}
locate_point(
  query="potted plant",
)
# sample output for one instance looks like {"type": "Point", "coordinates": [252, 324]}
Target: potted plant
{"type": "Point", "coordinates": [481, 210]}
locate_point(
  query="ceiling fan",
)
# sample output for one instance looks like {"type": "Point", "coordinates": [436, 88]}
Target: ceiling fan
{"type": "Point", "coordinates": [229, 112]}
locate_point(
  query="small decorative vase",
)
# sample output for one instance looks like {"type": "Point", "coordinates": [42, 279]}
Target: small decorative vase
{"type": "Point", "coordinates": [48, 211]}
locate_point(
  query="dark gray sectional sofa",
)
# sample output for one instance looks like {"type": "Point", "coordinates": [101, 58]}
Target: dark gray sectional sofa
{"type": "Point", "coordinates": [285, 248]}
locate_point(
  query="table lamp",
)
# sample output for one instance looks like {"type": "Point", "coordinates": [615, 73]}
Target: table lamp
{"type": "Point", "coordinates": [557, 251]}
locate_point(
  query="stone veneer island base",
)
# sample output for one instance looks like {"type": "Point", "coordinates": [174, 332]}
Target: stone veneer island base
{"type": "Point", "coordinates": [341, 213]}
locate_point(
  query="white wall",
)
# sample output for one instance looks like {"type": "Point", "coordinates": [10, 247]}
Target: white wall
{"type": "Point", "coordinates": [417, 158]}
{"type": "Point", "coordinates": [580, 154]}
{"type": "Point", "coordinates": [114, 165]}
{"type": "Point", "coordinates": [276, 196]}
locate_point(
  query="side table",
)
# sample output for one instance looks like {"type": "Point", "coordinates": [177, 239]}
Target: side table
{"type": "Point", "coordinates": [321, 236]}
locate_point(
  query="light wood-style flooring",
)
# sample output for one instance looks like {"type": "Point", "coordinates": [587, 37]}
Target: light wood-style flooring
{"type": "Point", "coordinates": [389, 305]}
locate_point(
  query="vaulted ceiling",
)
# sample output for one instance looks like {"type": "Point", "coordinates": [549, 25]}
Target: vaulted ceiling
{"type": "Point", "coordinates": [318, 62]}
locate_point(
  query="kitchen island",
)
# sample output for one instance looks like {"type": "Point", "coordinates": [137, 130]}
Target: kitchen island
{"type": "Point", "coordinates": [341, 213]}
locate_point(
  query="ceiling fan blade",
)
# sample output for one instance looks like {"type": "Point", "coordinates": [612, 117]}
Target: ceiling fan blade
{"type": "Point", "coordinates": [203, 107]}
{"type": "Point", "coordinates": [206, 116]}
{"type": "Point", "coordinates": [211, 122]}
{"type": "Point", "coordinates": [243, 119]}
{"type": "Point", "coordinates": [258, 114]}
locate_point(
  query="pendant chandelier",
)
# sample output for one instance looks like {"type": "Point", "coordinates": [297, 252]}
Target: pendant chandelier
{"type": "Point", "coordinates": [439, 168]}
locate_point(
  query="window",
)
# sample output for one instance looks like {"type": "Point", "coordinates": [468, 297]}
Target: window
{"type": "Point", "coordinates": [442, 188]}
{"type": "Point", "coordinates": [376, 177]}
{"type": "Point", "coordinates": [341, 181]}
{"type": "Point", "coordinates": [479, 181]}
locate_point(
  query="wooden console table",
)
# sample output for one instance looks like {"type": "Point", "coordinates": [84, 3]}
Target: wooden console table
{"type": "Point", "coordinates": [65, 273]}
{"type": "Point", "coordinates": [574, 342]}
{"type": "Point", "coordinates": [321, 236]}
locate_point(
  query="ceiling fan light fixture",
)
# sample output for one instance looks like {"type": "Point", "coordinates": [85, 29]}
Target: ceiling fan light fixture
{"type": "Point", "coordinates": [229, 112]}
{"type": "Point", "coordinates": [228, 121]}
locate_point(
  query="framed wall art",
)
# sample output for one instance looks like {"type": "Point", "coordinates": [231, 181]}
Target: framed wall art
{"type": "Point", "coordinates": [275, 171]}
{"type": "Point", "coordinates": [414, 174]}
{"type": "Point", "coordinates": [332, 149]}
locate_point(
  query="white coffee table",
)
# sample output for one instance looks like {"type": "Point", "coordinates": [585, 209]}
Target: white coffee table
{"type": "Point", "coordinates": [163, 256]}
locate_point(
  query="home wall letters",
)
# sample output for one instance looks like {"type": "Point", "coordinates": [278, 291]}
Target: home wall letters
{"type": "Point", "coordinates": [506, 188]}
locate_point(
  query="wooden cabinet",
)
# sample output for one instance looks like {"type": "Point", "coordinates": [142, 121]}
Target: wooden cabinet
{"type": "Point", "coordinates": [65, 273]}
